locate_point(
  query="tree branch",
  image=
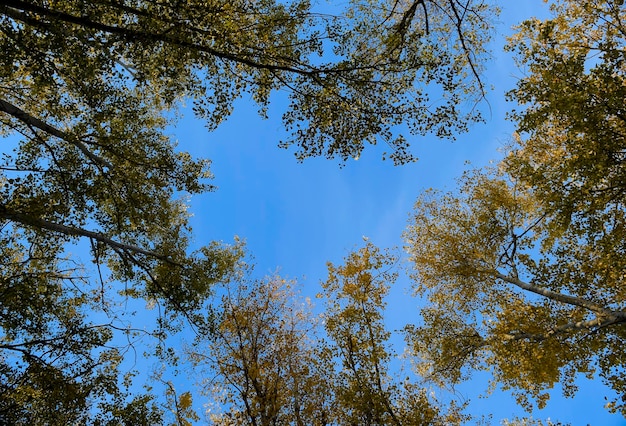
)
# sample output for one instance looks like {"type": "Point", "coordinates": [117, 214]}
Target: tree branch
{"type": "Point", "coordinates": [458, 24]}
{"type": "Point", "coordinates": [14, 9]}
{"type": "Point", "coordinates": [376, 360]}
{"type": "Point", "coordinates": [79, 232]}
{"type": "Point", "coordinates": [553, 295]}
{"type": "Point", "coordinates": [32, 121]}
{"type": "Point", "coordinates": [616, 317]}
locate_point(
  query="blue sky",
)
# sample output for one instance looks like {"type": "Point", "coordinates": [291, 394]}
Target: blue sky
{"type": "Point", "coordinates": [297, 216]}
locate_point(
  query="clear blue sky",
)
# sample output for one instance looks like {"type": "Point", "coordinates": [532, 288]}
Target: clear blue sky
{"type": "Point", "coordinates": [297, 216]}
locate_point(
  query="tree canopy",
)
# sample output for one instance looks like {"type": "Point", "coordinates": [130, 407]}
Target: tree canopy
{"type": "Point", "coordinates": [258, 366]}
{"type": "Point", "coordinates": [365, 389]}
{"type": "Point", "coordinates": [352, 75]}
{"type": "Point", "coordinates": [523, 266]}
{"type": "Point", "coordinates": [271, 361]}
{"type": "Point", "coordinates": [87, 91]}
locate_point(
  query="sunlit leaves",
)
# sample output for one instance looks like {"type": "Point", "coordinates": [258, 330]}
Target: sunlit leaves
{"type": "Point", "coordinates": [507, 293]}
{"type": "Point", "coordinates": [258, 363]}
{"type": "Point", "coordinates": [573, 127]}
{"type": "Point", "coordinates": [365, 390]}
{"type": "Point", "coordinates": [522, 266]}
